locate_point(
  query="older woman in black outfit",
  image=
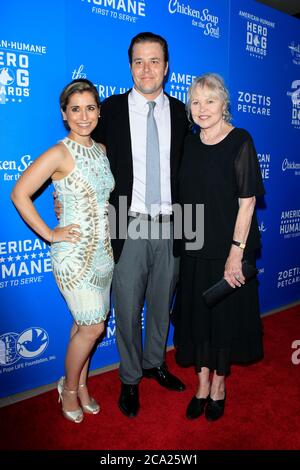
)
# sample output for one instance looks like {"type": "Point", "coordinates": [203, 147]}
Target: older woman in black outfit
{"type": "Point", "coordinates": [220, 170]}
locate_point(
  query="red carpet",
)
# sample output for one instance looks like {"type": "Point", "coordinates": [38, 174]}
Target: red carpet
{"type": "Point", "coordinates": [262, 412]}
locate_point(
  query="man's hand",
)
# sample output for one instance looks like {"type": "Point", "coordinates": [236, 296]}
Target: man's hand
{"type": "Point", "coordinates": [57, 206]}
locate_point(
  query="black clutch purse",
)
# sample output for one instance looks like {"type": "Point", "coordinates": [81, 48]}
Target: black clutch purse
{"type": "Point", "coordinates": [222, 289]}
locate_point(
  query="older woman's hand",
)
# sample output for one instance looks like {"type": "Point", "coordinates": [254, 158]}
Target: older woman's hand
{"type": "Point", "coordinates": [233, 273]}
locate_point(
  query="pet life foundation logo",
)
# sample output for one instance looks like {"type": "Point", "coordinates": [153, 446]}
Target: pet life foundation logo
{"type": "Point", "coordinates": [290, 223]}
{"type": "Point", "coordinates": [14, 69]}
{"type": "Point", "coordinates": [122, 10]}
{"type": "Point", "coordinates": [179, 84]}
{"type": "Point", "coordinates": [203, 19]}
{"type": "Point", "coordinates": [265, 163]}
{"type": "Point", "coordinates": [257, 30]}
{"type": "Point", "coordinates": [295, 52]}
{"type": "Point", "coordinates": [30, 344]}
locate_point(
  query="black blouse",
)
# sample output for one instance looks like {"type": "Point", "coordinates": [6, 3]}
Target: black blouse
{"type": "Point", "coordinates": [216, 176]}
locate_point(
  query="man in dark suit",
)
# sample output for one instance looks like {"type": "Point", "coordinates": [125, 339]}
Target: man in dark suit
{"type": "Point", "coordinates": [143, 131]}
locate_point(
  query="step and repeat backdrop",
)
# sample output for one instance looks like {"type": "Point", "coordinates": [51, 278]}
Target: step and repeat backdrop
{"type": "Point", "coordinates": [43, 47]}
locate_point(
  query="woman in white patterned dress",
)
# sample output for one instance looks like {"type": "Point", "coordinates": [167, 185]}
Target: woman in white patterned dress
{"type": "Point", "coordinates": [82, 258]}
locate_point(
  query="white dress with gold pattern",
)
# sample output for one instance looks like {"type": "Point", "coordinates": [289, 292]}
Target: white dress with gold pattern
{"type": "Point", "coordinates": [83, 271]}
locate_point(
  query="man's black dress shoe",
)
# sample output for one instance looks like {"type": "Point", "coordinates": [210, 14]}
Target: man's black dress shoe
{"type": "Point", "coordinates": [196, 407]}
{"type": "Point", "coordinates": [164, 378]}
{"type": "Point", "coordinates": [129, 400]}
{"type": "Point", "coordinates": [214, 409]}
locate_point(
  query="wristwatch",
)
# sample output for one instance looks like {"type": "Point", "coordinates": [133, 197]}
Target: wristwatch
{"type": "Point", "coordinates": [241, 245]}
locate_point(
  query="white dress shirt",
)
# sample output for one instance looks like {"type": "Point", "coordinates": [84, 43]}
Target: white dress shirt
{"type": "Point", "coordinates": [138, 111]}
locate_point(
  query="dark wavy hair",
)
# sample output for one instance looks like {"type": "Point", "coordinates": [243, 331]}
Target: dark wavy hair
{"type": "Point", "coordinates": [148, 37]}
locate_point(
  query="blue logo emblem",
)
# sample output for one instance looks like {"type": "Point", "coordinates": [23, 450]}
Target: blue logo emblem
{"type": "Point", "coordinates": [29, 344]}
{"type": "Point", "coordinates": [32, 342]}
{"type": "Point", "coordinates": [8, 349]}
{"type": "Point", "coordinates": [7, 76]}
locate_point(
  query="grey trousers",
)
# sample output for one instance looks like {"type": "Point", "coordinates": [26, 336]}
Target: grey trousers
{"type": "Point", "coordinates": [147, 270]}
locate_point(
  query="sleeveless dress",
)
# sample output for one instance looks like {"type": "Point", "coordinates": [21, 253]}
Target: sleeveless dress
{"type": "Point", "coordinates": [83, 271]}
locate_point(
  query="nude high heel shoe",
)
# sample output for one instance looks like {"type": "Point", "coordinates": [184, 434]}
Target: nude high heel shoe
{"type": "Point", "coordinates": [77, 415]}
{"type": "Point", "coordinates": [93, 407]}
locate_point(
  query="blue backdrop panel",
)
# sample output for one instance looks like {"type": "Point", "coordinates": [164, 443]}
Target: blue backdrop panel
{"type": "Point", "coordinates": [256, 50]}
{"type": "Point", "coordinates": [263, 64]}
{"type": "Point", "coordinates": [286, 286]}
{"type": "Point", "coordinates": [32, 71]}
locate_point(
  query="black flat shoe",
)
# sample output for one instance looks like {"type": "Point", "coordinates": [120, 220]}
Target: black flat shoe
{"type": "Point", "coordinates": [164, 378]}
{"type": "Point", "coordinates": [196, 407]}
{"type": "Point", "coordinates": [129, 400]}
{"type": "Point", "coordinates": [214, 409]}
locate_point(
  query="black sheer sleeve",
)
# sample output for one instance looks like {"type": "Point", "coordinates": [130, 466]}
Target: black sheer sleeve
{"type": "Point", "coordinates": [247, 171]}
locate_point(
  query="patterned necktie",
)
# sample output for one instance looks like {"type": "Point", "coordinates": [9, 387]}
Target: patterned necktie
{"type": "Point", "coordinates": [152, 197]}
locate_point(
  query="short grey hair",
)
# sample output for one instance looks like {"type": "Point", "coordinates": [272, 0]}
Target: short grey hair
{"type": "Point", "coordinates": [215, 83]}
